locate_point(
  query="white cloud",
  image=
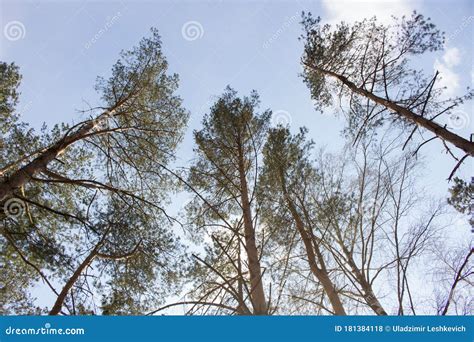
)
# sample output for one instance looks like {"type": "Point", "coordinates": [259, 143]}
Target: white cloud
{"type": "Point", "coordinates": [353, 10]}
{"type": "Point", "coordinates": [452, 57]}
{"type": "Point", "coordinates": [448, 77]}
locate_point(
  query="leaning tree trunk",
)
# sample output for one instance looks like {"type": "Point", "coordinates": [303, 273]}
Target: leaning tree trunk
{"type": "Point", "coordinates": [41, 162]}
{"type": "Point", "coordinates": [320, 272]}
{"type": "Point", "coordinates": [440, 131]}
{"type": "Point", "coordinates": [94, 253]}
{"type": "Point", "coordinates": [367, 290]}
{"type": "Point", "coordinates": [58, 304]}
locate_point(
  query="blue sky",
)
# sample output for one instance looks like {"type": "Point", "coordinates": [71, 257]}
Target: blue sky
{"type": "Point", "coordinates": [62, 46]}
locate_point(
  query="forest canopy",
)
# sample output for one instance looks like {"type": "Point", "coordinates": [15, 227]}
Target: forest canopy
{"type": "Point", "coordinates": [274, 224]}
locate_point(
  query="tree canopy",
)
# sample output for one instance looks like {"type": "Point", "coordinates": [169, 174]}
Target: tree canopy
{"type": "Point", "coordinates": [273, 223]}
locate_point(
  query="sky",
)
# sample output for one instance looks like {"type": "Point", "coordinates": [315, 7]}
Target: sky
{"type": "Point", "coordinates": [62, 46]}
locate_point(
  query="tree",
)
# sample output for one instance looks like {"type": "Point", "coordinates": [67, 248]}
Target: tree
{"type": "Point", "coordinates": [454, 279]}
{"type": "Point", "coordinates": [141, 117]}
{"type": "Point", "coordinates": [285, 183]}
{"type": "Point", "coordinates": [138, 261]}
{"type": "Point", "coordinates": [462, 197]}
{"type": "Point", "coordinates": [377, 225]}
{"type": "Point", "coordinates": [225, 174]}
{"type": "Point", "coordinates": [75, 181]}
{"type": "Point", "coordinates": [369, 65]}
{"type": "Point", "coordinates": [16, 140]}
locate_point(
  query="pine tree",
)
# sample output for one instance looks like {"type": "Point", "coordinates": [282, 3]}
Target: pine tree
{"type": "Point", "coordinates": [228, 148]}
{"type": "Point", "coordinates": [95, 192]}
{"type": "Point", "coordinates": [284, 189]}
{"type": "Point", "coordinates": [367, 67]}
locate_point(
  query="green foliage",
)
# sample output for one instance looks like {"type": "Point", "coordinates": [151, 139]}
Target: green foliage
{"type": "Point", "coordinates": [16, 138]}
{"type": "Point", "coordinates": [287, 173]}
{"type": "Point", "coordinates": [147, 122]}
{"type": "Point", "coordinates": [231, 131]}
{"type": "Point", "coordinates": [109, 188]}
{"type": "Point", "coordinates": [368, 67]}
{"type": "Point", "coordinates": [226, 167]}
{"type": "Point", "coordinates": [9, 82]}
{"type": "Point", "coordinates": [461, 195]}
{"type": "Point", "coordinates": [364, 49]}
{"type": "Point", "coordinates": [139, 283]}
{"type": "Point", "coordinates": [111, 178]}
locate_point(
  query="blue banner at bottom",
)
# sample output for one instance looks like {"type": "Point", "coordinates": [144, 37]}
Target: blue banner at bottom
{"type": "Point", "coordinates": [237, 329]}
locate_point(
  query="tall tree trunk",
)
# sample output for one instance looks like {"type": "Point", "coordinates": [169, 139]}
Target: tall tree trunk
{"type": "Point", "coordinates": [320, 272]}
{"type": "Point", "coordinates": [257, 294]}
{"type": "Point", "coordinates": [440, 131]}
{"type": "Point", "coordinates": [240, 279]}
